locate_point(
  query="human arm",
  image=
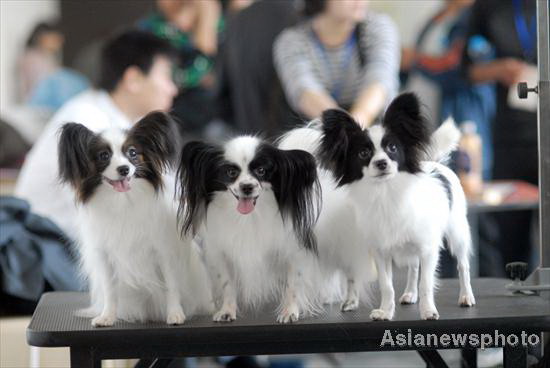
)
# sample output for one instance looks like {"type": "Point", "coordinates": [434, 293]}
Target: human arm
{"type": "Point", "coordinates": [504, 70]}
{"type": "Point", "coordinates": [381, 43]}
{"type": "Point", "coordinates": [205, 34]}
{"type": "Point", "coordinates": [303, 90]}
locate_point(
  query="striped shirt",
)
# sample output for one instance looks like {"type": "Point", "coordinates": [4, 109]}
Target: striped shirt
{"type": "Point", "coordinates": [302, 63]}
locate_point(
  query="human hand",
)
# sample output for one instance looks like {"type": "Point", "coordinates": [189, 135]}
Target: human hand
{"type": "Point", "coordinates": [408, 56]}
{"type": "Point", "coordinates": [509, 70]}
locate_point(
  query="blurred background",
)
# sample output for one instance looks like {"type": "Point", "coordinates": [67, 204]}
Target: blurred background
{"type": "Point", "coordinates": [264, 66]}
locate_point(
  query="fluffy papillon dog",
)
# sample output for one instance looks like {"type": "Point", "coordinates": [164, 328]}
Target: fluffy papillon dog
{"type": "Point", "coordinates": [408, 207]}
{"type": "Point", "coordinates": [138, 267]}
{"type": "Point", "coordinates": [254, 207]}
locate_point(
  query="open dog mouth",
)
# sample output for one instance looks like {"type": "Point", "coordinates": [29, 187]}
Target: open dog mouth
{"type": "Point", "coordinates": [245, 205]}
{"type": "Point", "coordinates": [121, 185]}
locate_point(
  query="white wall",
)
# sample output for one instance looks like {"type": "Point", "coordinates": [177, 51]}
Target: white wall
{"type": "Point", "coordinates": [409, 15]}
{"type": "Point", "coordinates": [17, 19]}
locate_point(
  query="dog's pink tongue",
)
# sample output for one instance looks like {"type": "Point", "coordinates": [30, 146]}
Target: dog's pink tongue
{"type": "Point", "coordinates": [245, 206]}
{"type": "Point", "coordinates": [122, 185]}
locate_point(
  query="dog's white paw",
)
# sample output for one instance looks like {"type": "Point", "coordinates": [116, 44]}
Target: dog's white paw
{"type": "Point", "coordinates": [225, 315]}
{"type": "Point", "coordinates": [380, 315]}
{"type": "Point", "coordinates": [350, 304]}
{"type": "Point", "coordinates": [103, 321]}
{"type": "Point", "coordinates": [467, 300]}
{"type": "Point", "coordinates": [429, 313]}
{"type": "Point", "coordinates": [289, 314]}
{"type": "Point", "coordinates": [175, 318]}
{"type": "Point", "coordinates": [408, 298]}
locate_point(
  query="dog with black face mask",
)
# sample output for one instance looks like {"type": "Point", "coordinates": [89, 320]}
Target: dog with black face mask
{"type": "Point", "coordinates": [406, 204]}
{"type": "Point", "coordinates": [138, 267]}
{"type": "Point", "coordinates": [410, 207]}
{"type": "Point", "coordinates": [254, 207]}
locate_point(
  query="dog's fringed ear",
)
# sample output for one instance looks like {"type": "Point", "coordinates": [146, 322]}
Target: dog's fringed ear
{"type": "Point", "coordinates": [299, 193]}
{"type": "Point", "coordinates": [158, 137]}
{"type": "Point", "coordinates": [405, 119]}
{"type": "Point", "coordinates": [197, 176]}
{"type": "Point", "coordinates": [74, 161]}
{"type": "Point", "coordinates": [338, 127]}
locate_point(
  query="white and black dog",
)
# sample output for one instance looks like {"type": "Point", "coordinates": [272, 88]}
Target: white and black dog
{"type": "Point", "coordinates": [408, 207]}
{"type": "Point", "coordinates": [254, 207]}
{"type": "Point", "coordinates": [138, 267]}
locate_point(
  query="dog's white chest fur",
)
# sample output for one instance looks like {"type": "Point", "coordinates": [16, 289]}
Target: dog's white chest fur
{"type": "Point", "coordinates": [405, 214]}
{"type": "Point", "coordinates": [257, 245]}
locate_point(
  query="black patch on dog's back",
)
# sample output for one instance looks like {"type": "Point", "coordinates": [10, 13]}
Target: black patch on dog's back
{"type": "Point", "coordinates": [446, 185]}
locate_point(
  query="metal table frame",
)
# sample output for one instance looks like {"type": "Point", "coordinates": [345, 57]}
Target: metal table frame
{"type": "Point", "coordinates": [55, 324]}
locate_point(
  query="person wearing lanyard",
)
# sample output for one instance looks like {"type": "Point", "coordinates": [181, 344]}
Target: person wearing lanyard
{"type": "Point", "coordinates": [510, 27]}
{"type": "Point", "coordinates": [340, 55]}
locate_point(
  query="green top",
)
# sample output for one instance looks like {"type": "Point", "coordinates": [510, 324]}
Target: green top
{"type": "Point", "coordinates": [195, 64]}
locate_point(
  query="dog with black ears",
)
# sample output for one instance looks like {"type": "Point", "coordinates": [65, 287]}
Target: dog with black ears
{"type": "Point", "coordinates": [138, 267]}
{"type": "Point", "coordinates": [254, 207]}
{"type": "Point", "coordinates": [410, 206]}
{"type": "Point", "coordinates": [404, 203]}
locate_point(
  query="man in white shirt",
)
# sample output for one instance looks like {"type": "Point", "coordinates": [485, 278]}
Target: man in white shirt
{"type": "Point", "coordinates": [135, 78]}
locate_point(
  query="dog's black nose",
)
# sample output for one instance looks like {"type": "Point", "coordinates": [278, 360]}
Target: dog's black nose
{"type": "Point", "coordinates": [123, 170]}
{"type": "Point", "coordinates": [381, 164]}
{"type": "Point", "coordinates": [247, 188]}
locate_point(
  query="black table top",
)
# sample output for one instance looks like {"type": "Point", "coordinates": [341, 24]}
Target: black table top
{"type": "Point", "coordinates": [55, 324]}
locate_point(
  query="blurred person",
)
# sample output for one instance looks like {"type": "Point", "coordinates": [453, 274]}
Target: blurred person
{"type": "Point", "coordinates": [43, 81]}
{"type": "Point", "coordinates": [135, 78]}
{"type": "Point", "coordinates": [435, 73]}
{"type": "Point", "coordinates": [192, 28]}
{"type": "Point", "coordinates": [341, 55]}
{"type": "Point", "coordinates": [42, 56]}
{"type": "Point", "coordinates": [510, 27]}
{"type": "Point", "coordinates": [249, 89]}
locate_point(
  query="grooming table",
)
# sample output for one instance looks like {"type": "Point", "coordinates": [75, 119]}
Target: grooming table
{"type": "Point", "coordinates": [54, 324]}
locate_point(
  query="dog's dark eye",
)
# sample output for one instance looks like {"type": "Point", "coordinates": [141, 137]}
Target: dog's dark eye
{"type": "Point", "coordinates": [232, 172]}
{"type": "Point", "coordinates": [132, 152]}
{"type": "Point", "coordinates": [260, 171]}
{"type": "Point", "coordinates": [392, 148]}
{"type": "Point", "coordinates": [364, 154]}
{"type": "Point", "coordinates": [104, 155]}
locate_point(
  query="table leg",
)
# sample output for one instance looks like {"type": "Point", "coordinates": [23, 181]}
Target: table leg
{"type": "Point", "coordinates": [84, 357]}
{"type": "Point", "coordinates": [469, 358]}
{"type": "Point", "coordinates": [473, 220]}
{"type": "Point", "coordinates": [154, 363]}
{"type": "Point", "coordinates": [432, 359]}
{"type": "Point", "coordinates": [515, 356]}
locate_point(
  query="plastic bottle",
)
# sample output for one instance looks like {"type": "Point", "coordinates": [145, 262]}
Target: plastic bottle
{"type": "Point", "coordinates": [469, 165]}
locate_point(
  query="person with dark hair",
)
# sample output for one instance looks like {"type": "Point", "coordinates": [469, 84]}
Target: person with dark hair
{"type": "Point", "coordinates": [435, 72]}
{"type": "Point", "coordinates": [341, 55]}
{"type": "Point", "coordinates": [248, 83]}
{"type": "Point", "coordinates": [136, 78]}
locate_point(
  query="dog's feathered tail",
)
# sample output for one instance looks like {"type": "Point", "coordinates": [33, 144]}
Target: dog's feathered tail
{"type": "Point", "coordinates": [306, 138]}
{"type": "Point", "coordinates": [443, 141]}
